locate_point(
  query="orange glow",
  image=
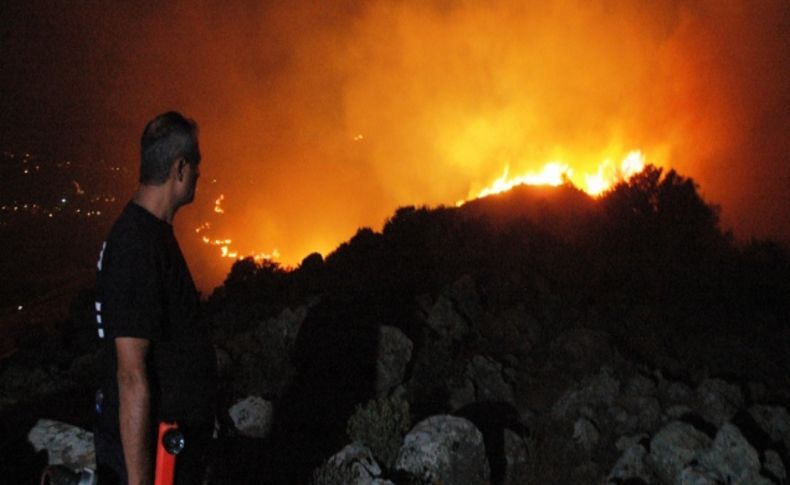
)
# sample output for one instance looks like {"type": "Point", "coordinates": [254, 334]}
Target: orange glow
{"type": "Point", "coordinates": [362, 109]}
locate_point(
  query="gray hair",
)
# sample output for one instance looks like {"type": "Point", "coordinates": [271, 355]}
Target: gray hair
{"type": "Point", "coordinates": [165, 139]}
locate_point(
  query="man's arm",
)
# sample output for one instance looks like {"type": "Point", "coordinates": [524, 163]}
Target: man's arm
{"type": "Point", "coordinates": [134, 413]}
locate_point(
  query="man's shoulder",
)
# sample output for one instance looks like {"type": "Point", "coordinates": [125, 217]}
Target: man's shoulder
{"type": "Point", "coordinates": [131, 232]}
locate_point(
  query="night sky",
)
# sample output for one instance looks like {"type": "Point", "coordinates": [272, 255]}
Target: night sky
{"type": "Point", "coordinates": [320, 117]}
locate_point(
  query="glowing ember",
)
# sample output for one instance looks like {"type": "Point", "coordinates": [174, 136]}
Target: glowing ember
{"type": "Point", "coordinates": [217, 205]}
{"type": "Point", "coordinates": [557, 173]}
{"type": "Point", "coordinates": [224, 244]}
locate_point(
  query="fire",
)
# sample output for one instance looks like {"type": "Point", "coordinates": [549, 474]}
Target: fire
{"type": "Point", "coordinates": [218, 205]}
{"type": "Point", "coordinates": [224, 244]}
{"type": "Point", "coordinates": [556, 173]}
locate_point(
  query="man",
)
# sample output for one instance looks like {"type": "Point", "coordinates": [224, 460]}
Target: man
{"type": "Point", "coordinates": [159, 361]}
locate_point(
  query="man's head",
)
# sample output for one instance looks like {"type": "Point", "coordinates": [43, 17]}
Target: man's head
{"type": "Point", "coordinates": [169, 151]}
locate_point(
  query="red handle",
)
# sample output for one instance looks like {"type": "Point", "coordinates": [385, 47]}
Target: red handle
{"type": "Point", "coordinates": [165, 461]}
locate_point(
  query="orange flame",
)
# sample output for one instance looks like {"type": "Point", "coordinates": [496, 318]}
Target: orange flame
{"type": "Point", "coordinates": [217, 205]}
{"type": "Point", "coordinates": [224, 244]}
{"type": "Point", "coordinates": [556, 173]}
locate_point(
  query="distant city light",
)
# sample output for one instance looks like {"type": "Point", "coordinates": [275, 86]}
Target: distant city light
{"type": "Point", "coordinates": [63, 200]}
{"type": "Point", "coordinates": [19, 308]}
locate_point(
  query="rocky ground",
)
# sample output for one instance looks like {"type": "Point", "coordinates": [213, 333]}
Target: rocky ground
{"type": "Point", "coordinates": [625, 340]}
{"type": "Point", "coordinates": [488, 396]}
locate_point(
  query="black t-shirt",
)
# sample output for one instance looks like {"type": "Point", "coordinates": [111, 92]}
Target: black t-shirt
{"type": "Point", "coordinates": [144, 290]}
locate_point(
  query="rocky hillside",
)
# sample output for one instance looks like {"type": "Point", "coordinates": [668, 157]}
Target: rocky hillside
{"type": "Point", "coordinates": [537, 336]}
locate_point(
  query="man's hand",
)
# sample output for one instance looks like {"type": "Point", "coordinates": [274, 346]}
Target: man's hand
{"type": "Point", "coordinates": [134, 413]}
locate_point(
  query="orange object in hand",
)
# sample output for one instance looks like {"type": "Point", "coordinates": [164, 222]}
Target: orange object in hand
{"type": "Point", "coordinates": [169, 443]}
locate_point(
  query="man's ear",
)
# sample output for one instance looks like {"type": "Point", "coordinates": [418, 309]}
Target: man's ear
{"type": "Point", "coordinates": [180, 169]}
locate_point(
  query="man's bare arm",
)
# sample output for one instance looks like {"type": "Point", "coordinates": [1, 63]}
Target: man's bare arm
{"type": "Point", "coordinates": [134, 413]}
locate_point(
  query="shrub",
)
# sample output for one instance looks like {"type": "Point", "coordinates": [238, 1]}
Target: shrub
{"type": "Point", "coordinates": [380, 424]}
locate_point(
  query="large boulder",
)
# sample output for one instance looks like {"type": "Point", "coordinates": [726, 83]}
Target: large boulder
{"type": "Point", "coordinates": [253, 417]}
{"type": "Point", "coordinates": [718, 400]}
{"type": "Point", "coordinates": [630, 466]}
{"type": "Point", "coordinates": [733, 458]}
{"type": "Point", "coordinates": [673, 393]}
{"type": "Point", "coordinates": [775, 421]}
{"type": "Point", "coordinates": [586, 434]}
{"type": "Point", "coordinates": [600, 390]}
{"type": "Point", "coordinates": [393, 355]}
{"type": "Point", "coordinates": [635, 414]}
{"type": "Point", "coordinates": [516, 459]}
{"type": "Point", "coordinates": [65, 444]}
{"type": "Point", "coordinates": [674, 447]}
{"type": "Point", "coordinates": [583, 349]}
{"type": "Point", "coordinates": [445, 450]}
{"type": "Point", "coordinates": [262, 356]}
{"type": "Point", "coordinates": [456, 310]}
{"type": "Point", "coordinates": [680, 453]}
{"type": "Point", "coordinates": [487, 377]}
{"type": "Point", "coordinates": [353, 465]}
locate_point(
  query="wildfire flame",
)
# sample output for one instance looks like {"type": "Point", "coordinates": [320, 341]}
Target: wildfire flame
{"type": "Point", "coordinates": [553, 173]}
{"type": "Point", "coordinates": [557, 173]}
{"type": "Point", "coordinates": [224, 244]}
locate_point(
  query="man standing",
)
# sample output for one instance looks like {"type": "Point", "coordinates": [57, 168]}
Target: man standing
{"type": "Point", "coordinates": [159, 362]}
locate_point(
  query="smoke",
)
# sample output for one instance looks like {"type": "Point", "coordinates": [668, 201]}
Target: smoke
{"type": "Point", "coordinates": [320, 118]}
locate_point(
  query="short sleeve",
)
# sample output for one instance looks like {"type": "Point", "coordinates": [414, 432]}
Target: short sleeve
{"type": "Point", "coordinates": [131, 291]}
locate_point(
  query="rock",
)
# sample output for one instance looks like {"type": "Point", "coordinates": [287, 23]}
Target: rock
{"type": "Point", "coordinates": [639, 386]}
{"type": "Point", "coordinates": [462, 396]}
{"type": "Point", "coordinates": [775, 421]}
{"type": "Point", "coordinates": [677, 412]}
{"type": "Point", "coordinates": [503, 329]}
{"type": "Point", "coordinates": [599, 390]}
{"type": "Point", "coordinates": [252, 417]}
{"type": "Point", "coordinates": [486, 375]}
{"type": "Point", "coordinates": [699, 475]}
{"type": "Point", "coordinates": [648, 412]}
{"type": "Point", "coordinates": [642, 413]}
{"type": "Point", "coordinates": [717, 400]}
{"type": "Point", "coordinates": [353, 465]}
{"type": "Point", "coordinates": [675, 393]}
{"type": "Point", "coordinates": [673, 448]}
{"type": "Point", "coordinates": [457, 307]}
{"type": "Point", "coordinates": [733, 458]}
{"type": "Point", "coordinates": [65, 444]}
{"type": "Point", "coordinates": [21, 383]}
{"type": "Point", "coordinates": [445, 450]}
{"type": "Point", "coordinates": [775, 466]}
{"type": "Point", "coordinates": [585, 434]}
{"type": "Point", "coordinates": [286, 325]}
{"type": "Point", "coordinates": [630, 466]}
{"type": "Point", "coordinates": [625, 442]}
{"type": "Point", "coordinates": [224, 362]}
{"type": "Point", "coordinates": [583, 348]}
{"type": "Point", "coordinates": [516, 459]}
{"type": "Point", "coordinates": [263, 355]}
{"type": "Point", "coordinates": [393, 355]}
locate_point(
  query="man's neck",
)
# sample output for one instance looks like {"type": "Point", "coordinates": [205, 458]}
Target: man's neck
{"type": "Point", "coordinates": [155, 199]}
